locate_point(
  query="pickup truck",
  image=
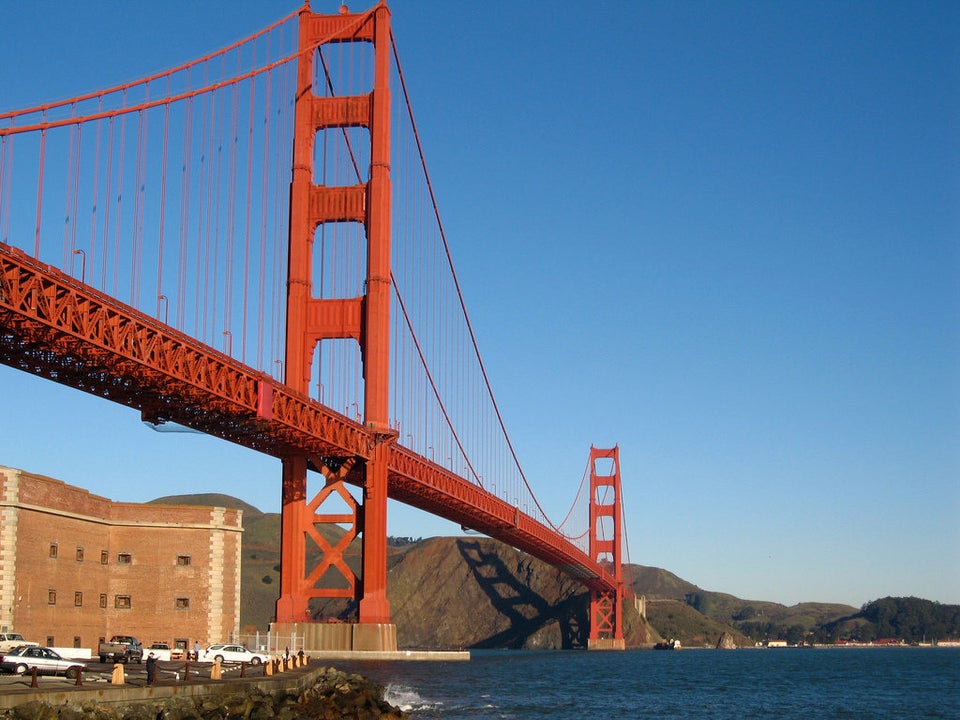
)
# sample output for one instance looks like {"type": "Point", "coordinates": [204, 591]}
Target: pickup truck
{"type": "Point", "coordinates": [8, 641]}
{"type": "Point", "coordinates": [122, 649]}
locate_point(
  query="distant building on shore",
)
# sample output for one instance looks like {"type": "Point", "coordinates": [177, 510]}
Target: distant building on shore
{"type": "Point", "coordinates": [76, 567]}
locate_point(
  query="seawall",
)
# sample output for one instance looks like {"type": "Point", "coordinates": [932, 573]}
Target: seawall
{"type": "Point", "coordinates": [292, 681]}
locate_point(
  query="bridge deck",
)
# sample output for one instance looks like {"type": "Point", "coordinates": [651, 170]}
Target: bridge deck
{"type": "Point", "coordinates": [53, 326]}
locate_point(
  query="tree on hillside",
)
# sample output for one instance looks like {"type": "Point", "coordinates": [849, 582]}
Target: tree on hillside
{"type": "Point", "coordinates": [912, 619]}
{"type": "Point", "coordinates": [795, 635]}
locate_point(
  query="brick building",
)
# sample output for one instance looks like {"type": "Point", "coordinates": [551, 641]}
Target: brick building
{"type": "Point", "coordinates": [76, 567]}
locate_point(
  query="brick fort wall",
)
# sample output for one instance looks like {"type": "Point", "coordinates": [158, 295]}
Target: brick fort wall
{"type": "Point", "coordinates": [76, 567]}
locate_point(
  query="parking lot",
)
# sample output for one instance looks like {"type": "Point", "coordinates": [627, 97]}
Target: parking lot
{"type": "Point", "coordinates": [168, 672]}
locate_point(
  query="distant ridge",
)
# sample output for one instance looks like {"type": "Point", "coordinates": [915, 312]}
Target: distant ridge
{"type": "Point", "coordinates": [214, 499]}
{"type": "Point", "coordinates": [477, 592]}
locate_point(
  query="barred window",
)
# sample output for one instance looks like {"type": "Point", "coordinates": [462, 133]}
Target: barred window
{"type": "Point", "coordinates": [79, 554]}
{"type": "Point", "coordinates": [124, 558]}
{"type": "Point", "coordinates": [103, 600]}
{"type": "Point", "coordinates": [78, 599]}
{"type": "Point", "coordinates": [182, 603]}
{"type": "Point", "coordinates": [104, 557]}
{"type": "Point", "coordinates": [184, 560]}
{"type": "Point", "coordinates": [51, 597]}
{"type": "Point", "coordinates": [53, 550]}
{"type": "Point", "coordinates": [122, 602]}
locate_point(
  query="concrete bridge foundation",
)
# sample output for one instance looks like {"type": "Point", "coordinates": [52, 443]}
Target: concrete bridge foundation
{"type": "Point", "coordinates": [340, 637]}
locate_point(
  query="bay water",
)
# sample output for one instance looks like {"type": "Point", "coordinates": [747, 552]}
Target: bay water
{"type": "Point", "coordinates": [881, 683]}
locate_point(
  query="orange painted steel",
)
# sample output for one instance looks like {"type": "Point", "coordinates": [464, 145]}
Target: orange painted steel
{"type": "Point", "coordinates": [366, 319]}
{"type": "Point", "coordinates": [56, 327]}
{"type": "Point", "coordinates": [606, 605]}
{"type": "Point", "coordinates": [53, 326]}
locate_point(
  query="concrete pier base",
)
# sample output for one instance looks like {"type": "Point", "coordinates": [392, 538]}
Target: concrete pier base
{"type": "Point", "coordinates": [606, 644]}
{"type": "Point", "coordinates": [341, 637]}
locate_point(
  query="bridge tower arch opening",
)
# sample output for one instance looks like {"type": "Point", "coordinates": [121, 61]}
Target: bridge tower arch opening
{"type": "Point", "coordinates": [606, 516]}
{"type": "Point", "coordinates": [364, 318]}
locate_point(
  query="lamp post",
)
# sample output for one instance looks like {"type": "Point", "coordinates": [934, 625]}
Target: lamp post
{"type": "Point", "coordinates": [83, 264]}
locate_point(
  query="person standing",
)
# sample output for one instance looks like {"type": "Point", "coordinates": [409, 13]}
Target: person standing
{"type": "Point", "coordinates": [151, 668]}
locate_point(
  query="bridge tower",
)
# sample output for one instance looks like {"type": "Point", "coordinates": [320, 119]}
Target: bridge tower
{"type": "Point", "coordinates": [365, 319]}
{"type": "Point", "coordinates": [606, 629]}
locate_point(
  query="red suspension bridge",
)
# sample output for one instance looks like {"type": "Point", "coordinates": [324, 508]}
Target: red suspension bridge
{"type": "Point", "coordinates": [158, 250]}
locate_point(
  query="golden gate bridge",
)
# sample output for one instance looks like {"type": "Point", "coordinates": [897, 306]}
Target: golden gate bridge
{"type": "Point", "coordinates": [249, 245]}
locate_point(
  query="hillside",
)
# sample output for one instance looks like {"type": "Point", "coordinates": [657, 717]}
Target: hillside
{"type": "Point", "coordinates": [485, 594]}
{"type": "Point", "coordinates": [757, 620]}
{"type": "Point", "coordinates": [675, 619]}
{"type": "Point", "coordinates": [909, 619]}
{"type": "Point", "coordinates": [210, 499]}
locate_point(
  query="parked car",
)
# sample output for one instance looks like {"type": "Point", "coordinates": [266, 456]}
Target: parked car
{"type": "Point", "coordinates": [221, 652]}
{"type": "Point", "coordinates": [122, 649]}
{"type": "Point", "coordinates": [47, 662]}
{"type": "Point", "coordinates": [160, 650]}
{"type": "Point", "coordinates": [10, 640]}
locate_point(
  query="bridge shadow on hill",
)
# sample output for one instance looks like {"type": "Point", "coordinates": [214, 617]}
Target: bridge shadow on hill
{"type": "Point", "coordinates": [526, 611]}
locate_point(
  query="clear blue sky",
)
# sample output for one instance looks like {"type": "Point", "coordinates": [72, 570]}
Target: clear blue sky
{"type": "Point", "coordinates": [724, 235]}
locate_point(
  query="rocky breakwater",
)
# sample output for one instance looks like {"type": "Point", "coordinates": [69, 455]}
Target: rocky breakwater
{"type": "Point", "coordinates": [336, 695]}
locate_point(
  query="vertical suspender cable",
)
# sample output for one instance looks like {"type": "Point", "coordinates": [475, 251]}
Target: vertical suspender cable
{"type": "Point", "coordinates": [249, 202]}
{"type": "Point", "coordinates": [231, 238]}
{"type": "Point", "coordinates": [96, 189]}
{"type": "Point", "coordinates": [139, 204]}
{"type": "Point", "coordinates": [68, 196]}
{"type": "Point", "coordinates": [163, 200]}
{"type": "Point", "coordinates": [75, 190]}
{"type": "Point", "coordinates": [201, 283]}
{"type": "Point", "coordinates": [186, 170]}
{"type": "Point", "coordinates": [6, 168]}
{"type": "Point", "coordinates": [119, 205]}
{"type": "Point", "coordinates": [481, 365]}
{"type": "Point", "coordinates": [264, 180]}
{"type": "Point", "coordinates": [215, 224]}
{"type": "Point", "coordinates": [43, 152]}
{"type": "Point", "coordinates": [107, 190]}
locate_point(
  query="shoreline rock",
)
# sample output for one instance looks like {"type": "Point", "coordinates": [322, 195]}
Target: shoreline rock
{"type": "Point", "coordinates": [336, 695]}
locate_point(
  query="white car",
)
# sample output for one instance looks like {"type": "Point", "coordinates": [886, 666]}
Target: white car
{"type": "Point", "coordinates": [9, 641]}
{"type": "Point", "coordinates": [222, 652]}
{"type": "Point", "coordinates": [47, 662]}
{"type": "Point", "coordinates": [161, 651]}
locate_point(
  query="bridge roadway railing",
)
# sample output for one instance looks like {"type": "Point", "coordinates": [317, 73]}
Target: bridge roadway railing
{"type": "Point", "coordinates": [53, 326]}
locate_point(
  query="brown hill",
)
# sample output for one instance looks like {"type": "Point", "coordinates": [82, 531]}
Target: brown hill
{"type": "Point", "coordinates": [481, 593]}
{"type": "Point", "coordinates": [477, 592]}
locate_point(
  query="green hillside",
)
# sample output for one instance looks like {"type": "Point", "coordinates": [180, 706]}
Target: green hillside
{"type": "Point", "coordinates": [676, 620]}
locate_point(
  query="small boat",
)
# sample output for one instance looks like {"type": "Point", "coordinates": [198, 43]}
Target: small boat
{"type": "Point", "coordinates": [670, 645]}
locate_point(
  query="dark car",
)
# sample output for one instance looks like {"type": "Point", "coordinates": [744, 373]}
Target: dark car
{"type": "Point", "coordinates": [47, 662]}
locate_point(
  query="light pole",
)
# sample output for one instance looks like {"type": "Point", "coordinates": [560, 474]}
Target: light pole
{"type": "Point", "coordinates": [83, 264]}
